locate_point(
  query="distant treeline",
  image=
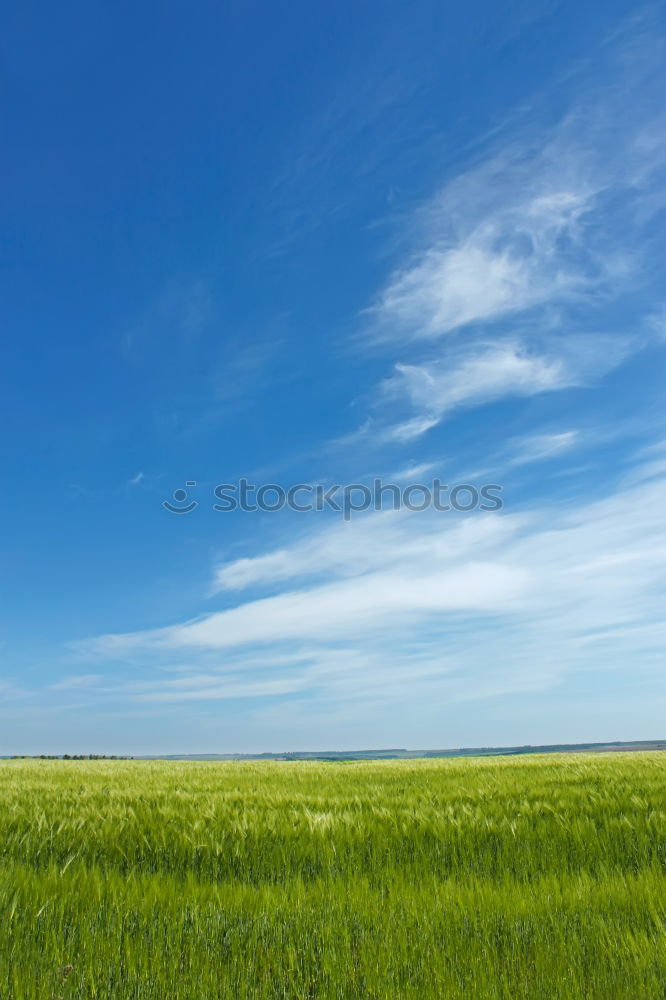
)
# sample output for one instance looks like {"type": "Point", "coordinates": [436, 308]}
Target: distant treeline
{"type": "Point", "coordinates": [69, 756]}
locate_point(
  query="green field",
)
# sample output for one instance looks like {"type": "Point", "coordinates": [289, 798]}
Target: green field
{"type": "Point", "coordinates": [537, 878]}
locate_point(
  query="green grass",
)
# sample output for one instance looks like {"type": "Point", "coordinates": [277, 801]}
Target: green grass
{"type": "Point", "coordinates": [538, 878]}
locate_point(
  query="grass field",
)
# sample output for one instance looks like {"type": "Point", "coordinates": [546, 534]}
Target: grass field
{"type": "Point", "coordinates": [537, 878]}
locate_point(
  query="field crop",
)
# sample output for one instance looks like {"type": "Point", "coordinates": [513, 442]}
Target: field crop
{"type": "Point", "coordinates": [539, 878]}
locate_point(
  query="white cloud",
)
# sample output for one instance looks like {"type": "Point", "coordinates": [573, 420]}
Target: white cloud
{"type": "Point", "coordinates": [228, 688]}
{"type": "Point", "coordinates": [453, 610]}
{"type": "Point", "coordinates": [431, 606]}
{"type": "Point", "coordinates": [490, 371]}
{"type": "Point", "coordinates": [519, 253]}
{"type": "Point", "coordinates": [357, 606]}
{"type": "Point", "coordinates": [386, 538]}
{"type": "Point", "coordinates": [485, 269]}
{"type": "Point", "coordinates": [539, 447]}
{"type": "Point", "coordinates": [412, 473]}
{"type": "Point", "coordinates": [548, 218]}
{"type": "Point", "coordinates": [408, 430]}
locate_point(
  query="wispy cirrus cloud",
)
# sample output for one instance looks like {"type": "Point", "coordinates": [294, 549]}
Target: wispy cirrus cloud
{"type": "Point", "coordinates": [520, 256]}
{"type": "Point", "coordinates": [540, 447]}
{"type": "Point", "coordinates": [492, 370]}
{"type": "Point", "coordinates": [432, 607]}
{"type": "Point", "coordinates": [482, 270]}
{"type": "Point", "coordinates": [549, 217]}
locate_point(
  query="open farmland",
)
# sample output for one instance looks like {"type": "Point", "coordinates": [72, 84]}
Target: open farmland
{"type": "Point", "coordinates": [537, 878]}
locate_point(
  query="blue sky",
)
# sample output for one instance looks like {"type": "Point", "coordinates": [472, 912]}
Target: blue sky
{"type": "Point", "coordinates": [323, 243]}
